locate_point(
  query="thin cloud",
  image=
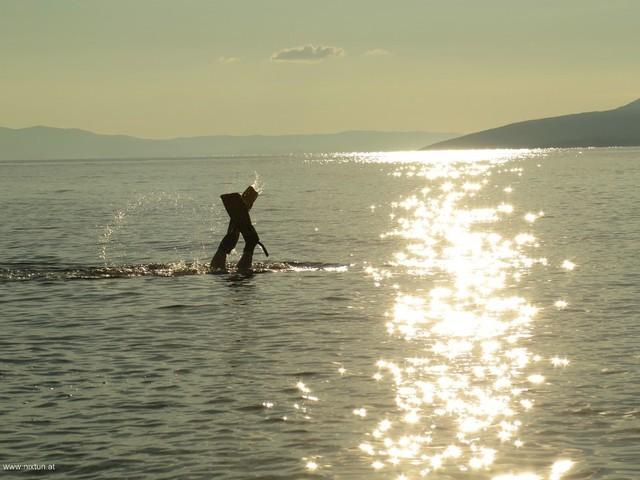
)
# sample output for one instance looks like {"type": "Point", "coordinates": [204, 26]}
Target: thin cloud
{"type": "Point", "coordinates": [377, 52]}
{"type": "Point", "coordinates": [228, 59]}
{"type": "Point", "coordinates": [307, 54]}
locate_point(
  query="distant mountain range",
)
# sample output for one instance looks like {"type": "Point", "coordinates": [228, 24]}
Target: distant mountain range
{"type": "Point", "coordinates": [611, 128]}
{"type": "Point", "coordinates": [37, 143]}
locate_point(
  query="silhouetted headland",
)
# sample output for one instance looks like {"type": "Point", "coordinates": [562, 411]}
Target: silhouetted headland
{"type": "Point", "coordinates": [611, 128]}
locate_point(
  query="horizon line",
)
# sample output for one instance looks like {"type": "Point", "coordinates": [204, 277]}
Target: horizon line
{"type": "Point", "coordinates": [339, 132]}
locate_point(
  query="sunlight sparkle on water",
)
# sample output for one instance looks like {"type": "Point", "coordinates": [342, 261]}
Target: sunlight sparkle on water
{"type": "Point", "coordinates": [535, 378]}
{"type": "Point", "coordinates": [561, 304]}
{"type": "Point", "coordinates": [559, 362]}
{"type": "Point", "coordinates": [559, 468]}
{"type": "Point", "coordinates": [302, 387]}
{"type": "Point", "coordinates": [460, 393]}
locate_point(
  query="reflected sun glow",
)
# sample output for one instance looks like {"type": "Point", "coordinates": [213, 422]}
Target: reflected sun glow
{"type": "Point", "coordinates": [461, 395]}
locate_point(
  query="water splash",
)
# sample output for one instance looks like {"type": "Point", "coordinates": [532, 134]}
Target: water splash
{"type": "Point", "coordinates": [171, 220]}
{"type": "Point", "coordinates": [170, 269]}
{"type": "Point", "coordinates": [258, 183]}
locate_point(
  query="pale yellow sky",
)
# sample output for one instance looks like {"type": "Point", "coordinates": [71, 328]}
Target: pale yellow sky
{"type": "Point", "coordinates": [165, 68]}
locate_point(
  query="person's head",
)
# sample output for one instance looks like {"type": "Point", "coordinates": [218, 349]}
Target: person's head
{"type": "Point", "coordinates": [249, 196]}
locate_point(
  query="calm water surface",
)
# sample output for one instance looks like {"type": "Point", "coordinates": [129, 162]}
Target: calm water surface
{"type": "Point", "coordinates": [446, 315]}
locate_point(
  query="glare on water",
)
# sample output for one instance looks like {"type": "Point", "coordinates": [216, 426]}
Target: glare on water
{"type": "Point", "coordinates": [460, 397]}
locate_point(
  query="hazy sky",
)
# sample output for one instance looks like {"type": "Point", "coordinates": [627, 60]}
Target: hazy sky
{"type": "Point", "coordinates": [160, 68]}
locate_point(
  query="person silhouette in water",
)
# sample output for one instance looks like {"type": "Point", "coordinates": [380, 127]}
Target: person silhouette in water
{"type": "Point", "coordinates": [230, 240]}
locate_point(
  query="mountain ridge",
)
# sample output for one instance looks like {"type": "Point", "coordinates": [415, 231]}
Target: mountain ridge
{"type": "Point", "coordinates": [41, 142]}
{"type": "Point", "coordinates": [618, 127]}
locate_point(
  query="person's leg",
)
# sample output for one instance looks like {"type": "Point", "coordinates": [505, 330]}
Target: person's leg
{"type": "Point", "coordinates": [246, 260]}
{"type": "Point", "coordinates": [228, 243]}
{"type": "Point", "coordinates": [250, 241]}
{"type": "Point", "coordinates": [230, 240]}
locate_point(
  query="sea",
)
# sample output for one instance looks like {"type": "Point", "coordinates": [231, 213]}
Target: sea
{"type": "Point", "coordinates": [441, 315]}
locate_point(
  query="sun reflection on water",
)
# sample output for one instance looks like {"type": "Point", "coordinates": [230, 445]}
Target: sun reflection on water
{"type": "Point", "coordinates": [460, 398]}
